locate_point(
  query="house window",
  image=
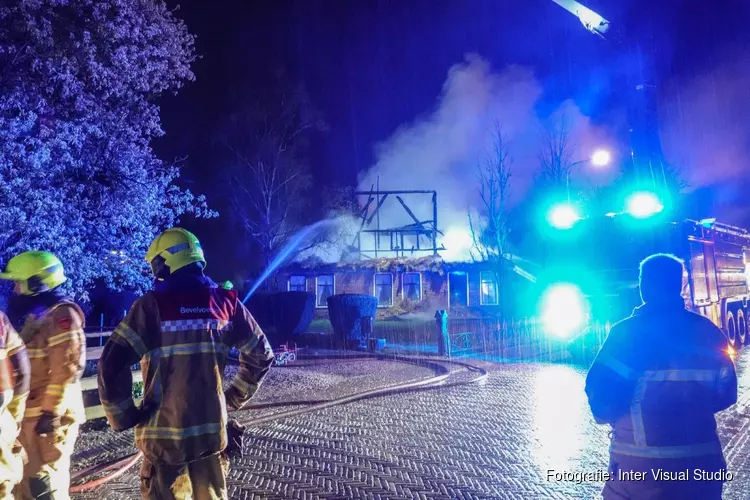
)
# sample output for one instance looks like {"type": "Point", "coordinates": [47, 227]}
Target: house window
{"type": "Point", "coordinates": [384, 289]}
{"type": "Point", "coordinates": [325, 288]}
{"type": "Point", "coordinates": [412, 287]}
{"type": "Point", "coordinates": [487, 288]}
{"type": "Point", "coordinates": [297, 284]}
{"type": "Point", "coordinates": [458, 288]}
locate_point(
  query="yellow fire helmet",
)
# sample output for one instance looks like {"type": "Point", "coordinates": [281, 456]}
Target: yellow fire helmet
{"type": "Point", "coordinates": [173, 249]}
{"type": "Point", "coordinates": [35, 272]}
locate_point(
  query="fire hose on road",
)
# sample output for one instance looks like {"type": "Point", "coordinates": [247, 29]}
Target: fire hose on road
{"type": "Point", "coordinates": [439, 381]}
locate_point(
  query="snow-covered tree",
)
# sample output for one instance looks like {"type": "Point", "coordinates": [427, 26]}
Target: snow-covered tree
{"type": "Point", "coordinates": [78, 80]}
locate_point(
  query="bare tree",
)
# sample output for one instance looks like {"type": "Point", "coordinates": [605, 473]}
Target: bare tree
{"type": "Point", "coordinates": [264, 194]}
{"type": "Point", "coordinates": [556, 154]}
{"type": "Point", "coordinates": [270, 193]}
{"type": "Point", "coordinates": [267, 181]}
{"type": "Point", "coordinates": [490, 233]}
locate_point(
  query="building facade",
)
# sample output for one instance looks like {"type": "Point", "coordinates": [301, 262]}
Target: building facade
{"type": "Point", "coordinates": [402, 286]}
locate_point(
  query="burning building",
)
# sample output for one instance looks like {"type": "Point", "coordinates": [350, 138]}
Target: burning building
{"type": "Point", "coordinates": [407, 266]}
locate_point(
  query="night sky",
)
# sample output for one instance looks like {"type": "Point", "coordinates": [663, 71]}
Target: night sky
{"type": "Point", "coordinates": [371, 65]}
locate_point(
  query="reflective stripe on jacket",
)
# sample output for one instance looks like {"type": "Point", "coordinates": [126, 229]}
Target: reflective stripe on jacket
{"type": "Point", "coordinates": [181, 340]}
{"type": "Point", "coordinates": [56, 347]}
{"type": "Point", "coordinates": [658, 379]}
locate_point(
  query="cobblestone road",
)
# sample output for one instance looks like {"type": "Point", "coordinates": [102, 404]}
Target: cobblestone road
{"type": "Point", "coordinates": [491, 441]}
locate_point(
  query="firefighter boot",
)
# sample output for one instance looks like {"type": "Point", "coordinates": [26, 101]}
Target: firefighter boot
{"type": "Point", "coordinates": [47, 473]}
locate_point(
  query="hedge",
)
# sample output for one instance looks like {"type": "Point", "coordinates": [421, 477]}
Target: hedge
{"type": "Point", "coordinates": [282, 315]}
{"type": "Point", "coordinates": [346, 312]}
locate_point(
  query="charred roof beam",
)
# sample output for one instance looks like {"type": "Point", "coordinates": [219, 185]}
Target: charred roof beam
{"type": "Point", "coordinates": [380, 204]}
{"type": "Point", "coordinates": [408, 210]}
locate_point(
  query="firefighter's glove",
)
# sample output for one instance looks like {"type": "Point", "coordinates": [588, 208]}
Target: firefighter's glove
{"type": "Point", "coordinates": [47, 424]}
{"type": "Point", "coordinates": [145, 412]}
{"type": "Point", "coordinates": [132, 417]}
{"type": "Point", "coordinates": [235, 432]}
{"type": "Point", "coordinates": [233, 399]}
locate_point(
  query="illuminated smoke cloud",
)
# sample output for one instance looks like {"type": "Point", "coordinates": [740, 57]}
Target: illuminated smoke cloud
{"type": "Point", "coordinates": [440, 151]}
{"type": "Point", "coordinates": [705, 132]}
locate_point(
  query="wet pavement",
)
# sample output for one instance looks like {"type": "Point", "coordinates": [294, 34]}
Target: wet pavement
{"type": "Point", "coordinates": [495, 440]}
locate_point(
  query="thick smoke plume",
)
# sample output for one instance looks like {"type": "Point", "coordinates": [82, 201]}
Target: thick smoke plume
{"type": "Point", "coordinates": [703, 129]}
{"type": "Point", "coordinates": [705, 133]}
{"type": "Point", "coordinates": [441, 150]}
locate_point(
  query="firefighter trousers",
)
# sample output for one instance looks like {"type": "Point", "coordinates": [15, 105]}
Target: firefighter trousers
{"type": "Point", "coordinates": [46, 476]}
{"type": "Point", "coordinates": [204, 479]}
{"type": "Point", "coordinates": [11, 469]}
{"type": "Point", "coordinates": [639, 478]}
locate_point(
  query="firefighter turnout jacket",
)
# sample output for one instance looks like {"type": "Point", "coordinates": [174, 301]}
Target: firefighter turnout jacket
{"type": "Point", "coordinates": [182, 336]}
{"type": "Point", "coordinates": [659, 378]}
{"type": "Point", "coordinates": [56, 346]}
{"type": "Point", "coordinates": [14, 384]}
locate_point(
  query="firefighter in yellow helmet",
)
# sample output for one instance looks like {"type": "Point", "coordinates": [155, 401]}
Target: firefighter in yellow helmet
{"type": "Point", "coordinates": [56, 345]}
{"type": "Point", "coordinates": [181, 333]}
{"type": "Point", "coordinates": [14, 384]}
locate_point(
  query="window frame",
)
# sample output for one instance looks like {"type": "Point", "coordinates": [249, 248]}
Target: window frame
{"type": "Point", "coordinates": [289, 282]}
{"type": "Point", "coordinates": [317, 280]}
{"type": "Point", "coordinates": [403, 285]}
{"type": "Point", "coordinates": [449, 288]}
{"type": "Point", "coordinates": [375, 289]}
{"type": "Point", "coordinates": [497, 289]}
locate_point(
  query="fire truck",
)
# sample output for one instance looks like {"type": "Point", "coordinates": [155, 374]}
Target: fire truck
{"type": "Point", "coordinates": [718, 276]}
{"type": "Point", "coordinates": [597, 269]}
{"type": "Point", "coordinates": [592, 278]}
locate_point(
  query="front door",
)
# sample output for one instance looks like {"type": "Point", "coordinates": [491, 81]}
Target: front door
{"type": "Point", "coordinates": [458, 288]}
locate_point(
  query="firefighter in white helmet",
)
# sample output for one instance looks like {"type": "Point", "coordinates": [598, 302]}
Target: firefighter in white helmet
{"type": "Point", "coordinates": [181, 333]}
{"type": "Point", "coordinates": [56, 345]}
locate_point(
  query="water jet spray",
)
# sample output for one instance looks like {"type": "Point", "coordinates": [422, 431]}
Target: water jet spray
{"type": "Point", "coordinates": [286, 251]}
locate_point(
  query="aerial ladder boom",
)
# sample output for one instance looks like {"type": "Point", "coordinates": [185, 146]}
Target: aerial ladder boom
{"type": "Point", "coordinates": [592, 21]}
{"type": "Point", "coordinates": [646, 149]}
